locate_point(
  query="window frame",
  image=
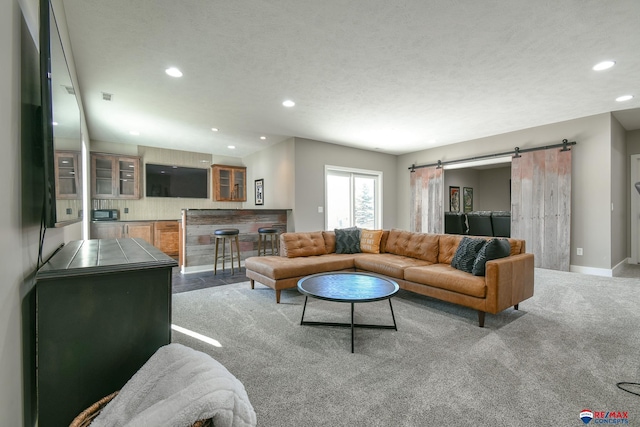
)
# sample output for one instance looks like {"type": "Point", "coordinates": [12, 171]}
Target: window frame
{"type": "Point", "coordinates": [341, 170]}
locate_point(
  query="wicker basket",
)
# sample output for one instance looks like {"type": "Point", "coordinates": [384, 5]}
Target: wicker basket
{"type": "Point", "coordinates": [85, 418]}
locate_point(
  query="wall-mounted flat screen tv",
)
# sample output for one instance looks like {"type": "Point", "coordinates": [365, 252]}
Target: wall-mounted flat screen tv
{"type": "Point", "coordinates": [176, 181]}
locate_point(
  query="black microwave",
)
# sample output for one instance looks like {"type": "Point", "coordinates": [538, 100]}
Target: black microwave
{"type": "Point", "coordinates": [104, 214]}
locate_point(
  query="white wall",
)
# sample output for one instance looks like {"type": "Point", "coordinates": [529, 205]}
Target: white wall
{"type": "Point", "coordinates": [311, 157]}
{"type": "Point", "coordinates": [591, 178]}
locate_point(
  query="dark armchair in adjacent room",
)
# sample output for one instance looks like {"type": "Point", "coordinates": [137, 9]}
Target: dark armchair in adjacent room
{"type": "Point", "coordinates": [455, 223]}
{"type": "Point", "coordinates": [501, 222]}
{"type": "Point", "coordinates": [480, 223]}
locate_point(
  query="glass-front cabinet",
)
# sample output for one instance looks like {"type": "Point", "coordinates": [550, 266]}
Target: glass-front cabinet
{"type": "Point", "coordinates": [229, 183]}
{"type": "Point", "coordinates": [68, 173]}
{"type": "Point", "coordinates": [115, 177]}
{"type": "Point", "coordinates": [128, 184]}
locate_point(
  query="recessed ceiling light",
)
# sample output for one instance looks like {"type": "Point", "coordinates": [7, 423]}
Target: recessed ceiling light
{"type": "Point", "coordinates": [54, 123]}
{"type": "Point", "coordinates": [134, 132]}
{"type": "Point", "coordinates": [624, 98]}
{"type": "Point", "coordinates": [231, 147]}
{"type": "Point", "coordinates": [263, 137]}
{"type": "Point", "coordinates": [215, 129]}
{"type": "Point", "coordinates": [604, 65]}
{"type": "Point", "coordinates": [173, 72]}
{"type": "Point", "coordinates": [288, 103]}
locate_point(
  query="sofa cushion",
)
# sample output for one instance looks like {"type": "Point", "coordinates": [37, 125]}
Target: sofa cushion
{"type": "Point", "coordinates": [383, 241]}
{"type": "Point", "coordinates": [370, 241]}
{"type": "Point", "coordinates": [329, 241]}
{"type": "Point", "coordinates": [448, 245]}
{"type": "Point", "coordinates": [415, 245]}
{"type": "Point", "coordinates": [493, 249]}
{"type": "Point", "coordinates": [347, 240]}
{"type": "Point", "coordinates": [277, 267]}
{"type": "Point", "coordinates": [387, 264]}
{"type": "Point", "coordinates": [302, 244]}
{"type": "Point", "coordinates": [517, 246]}
{"type": "Point", "coordinates": [444, 276]}
{"type": "Point", "coordinates": [466, 253]}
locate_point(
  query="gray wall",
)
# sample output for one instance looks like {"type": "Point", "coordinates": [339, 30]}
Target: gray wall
{"type": "Point", "coordinates": [620, 239]}
{"type": "Point", "coordinates": [591, 178]}
{"type": "Point", "coordinates": [16, 258]}
{"type": "Point", "coordinates": [311, 157]}
{"type": "Point", "coordinates": [494, 189]}
{"type": "Point", "coordinates": [461, 178]}
{"type": "Point", "coordinates": [633, 147]}
{"type": "Point", "coordinates": [19, 251]}
{"type": "Point", "coordinates": [633, 142]}
{"type": "Point", "coordinates": [490, 187]}
{"type": "Point", "coordinates": [276, 166]}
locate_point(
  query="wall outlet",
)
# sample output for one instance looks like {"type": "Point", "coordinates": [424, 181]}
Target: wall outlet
{"type": "Point", "coordinates": [579, 251]}
{"type": "Point", "coordinates": [69, 211]}
{"type": "Point", "coordinates": [320, 209]}
{"type": "Point", "coordinates": [126, 210]}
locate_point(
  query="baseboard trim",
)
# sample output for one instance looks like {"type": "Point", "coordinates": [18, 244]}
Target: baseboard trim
{"type": "Point", "coordinates": [205, 268]}
{"type": "Point", "coordinates": [619, 266]}
{"type": "Point", "coordinates": [591, 270]}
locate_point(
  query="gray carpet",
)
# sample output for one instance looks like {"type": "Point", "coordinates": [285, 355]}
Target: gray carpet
{"type": "Point", "coordinates": [563, 351]}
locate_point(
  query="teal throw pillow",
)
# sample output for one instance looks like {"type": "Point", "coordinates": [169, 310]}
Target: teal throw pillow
{"type": "Point", "coordinates": [466, 253]}
{"type": "Point", "coordinates": [347, 240]}
{"type": "Point", "coordinates": [494, 249]}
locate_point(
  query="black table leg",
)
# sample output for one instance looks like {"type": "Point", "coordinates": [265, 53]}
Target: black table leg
{"type": "Point", "coordinates": [303, 309]}
{"type": "Point", "coordinates": [392, 315]}
{"type": "Point", "coordinates": [351, 327]}
{"type": "Point", "coordinates": [352, 324]}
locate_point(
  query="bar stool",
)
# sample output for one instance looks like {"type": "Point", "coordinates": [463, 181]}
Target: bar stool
{"type": "Point", "coordinates": [265, 233]}
{"type": "Point", "coordinates": [226, 234]}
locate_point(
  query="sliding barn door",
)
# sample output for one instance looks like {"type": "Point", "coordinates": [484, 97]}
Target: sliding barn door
{"type": "Point", "coordinates": [427, 195]}
{"type": "Point", "coordinates": [541, 205]}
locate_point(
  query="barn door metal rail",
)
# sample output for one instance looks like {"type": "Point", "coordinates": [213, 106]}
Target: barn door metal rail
{"type": "Point", "coordinates": [565, 145]}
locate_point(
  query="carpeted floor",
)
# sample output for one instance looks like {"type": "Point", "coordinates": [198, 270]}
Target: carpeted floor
{"type": "Point", "coordinates": [562, 352]}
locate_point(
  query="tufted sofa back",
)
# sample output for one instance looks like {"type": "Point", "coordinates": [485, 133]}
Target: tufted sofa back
{"type": "Point", "coordinates": [435, 248]}
{"type": "Point", "coordinates": [415, 245]}
{"type": "Point", "coordinates": [293, 245]}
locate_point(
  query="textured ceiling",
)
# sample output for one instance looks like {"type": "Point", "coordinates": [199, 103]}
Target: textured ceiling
{"type": "Point", "coordinates": [393, 76]}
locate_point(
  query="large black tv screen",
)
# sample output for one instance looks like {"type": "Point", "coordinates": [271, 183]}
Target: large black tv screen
{"type": "Point", "coordinates": [176, 181]}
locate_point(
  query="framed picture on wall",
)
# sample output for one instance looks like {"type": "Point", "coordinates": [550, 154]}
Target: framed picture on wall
{"type": "Point", "coordinates": [259, 190]}
{"type": "Point", "coordinates": [467, 199]}
{"type": "Point", "coordinates": [454, 199]}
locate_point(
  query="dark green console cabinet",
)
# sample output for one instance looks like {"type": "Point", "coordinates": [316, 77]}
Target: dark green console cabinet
{"type": "Point", "coordinates": [103, 307]}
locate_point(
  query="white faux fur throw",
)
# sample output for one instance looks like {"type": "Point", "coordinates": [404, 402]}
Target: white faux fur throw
{"type": "Point", "coordinates": [177, 387]}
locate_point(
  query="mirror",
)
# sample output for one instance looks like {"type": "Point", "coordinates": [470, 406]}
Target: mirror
{"type": "Point", "coordinates": [65, 158]}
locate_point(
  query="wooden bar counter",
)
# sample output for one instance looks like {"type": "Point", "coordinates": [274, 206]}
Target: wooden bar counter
{"type": "Point", "coordinates": [197, 227]}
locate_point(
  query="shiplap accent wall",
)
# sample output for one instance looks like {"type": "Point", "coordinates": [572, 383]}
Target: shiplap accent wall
{"type": "Point", "coordinates": [427, 195]}
{"type": "Point", "coordinates": [541, 205]}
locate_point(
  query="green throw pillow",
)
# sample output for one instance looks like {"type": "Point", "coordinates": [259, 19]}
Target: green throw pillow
{"type": "Point", "coordinates": [494, 249]}
{"type": "Point", "coordinates": [466, 253]}
{"type": "Point", "coordinates": [347, 240]}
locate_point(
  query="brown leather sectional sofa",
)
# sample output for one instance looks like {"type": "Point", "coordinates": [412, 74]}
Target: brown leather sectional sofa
{"type": "Point", "coordinates": [418, 262]}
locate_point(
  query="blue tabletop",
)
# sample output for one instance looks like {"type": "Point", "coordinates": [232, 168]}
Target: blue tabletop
{"type": "Point", "coordinates": [348, 287]}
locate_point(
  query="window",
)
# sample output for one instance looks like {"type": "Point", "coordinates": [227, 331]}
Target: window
{"type": "Point", "coordinates": [353, 198]}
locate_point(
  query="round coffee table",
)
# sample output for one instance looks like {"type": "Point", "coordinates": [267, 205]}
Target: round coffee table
{"type": "Point", "coordinates": [349, 287]}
